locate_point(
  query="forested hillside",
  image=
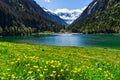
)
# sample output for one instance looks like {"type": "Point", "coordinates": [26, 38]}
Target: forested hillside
{"type": "Point", "coordinates": [101, 16]}
{"type": "Point", "coordinates": [21, 17]}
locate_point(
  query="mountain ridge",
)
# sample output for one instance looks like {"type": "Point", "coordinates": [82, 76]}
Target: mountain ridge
{"type": "Point", "coordinates": [55, 17]}
{"type": "Point", "coordinates": [99, 17]}
{"type": "Point", "coordinates": [18, 16]}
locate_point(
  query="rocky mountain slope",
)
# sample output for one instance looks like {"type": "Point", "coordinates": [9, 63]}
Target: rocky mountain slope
{"type": "Point", "coordinates": [55, 17]}
{"type": "Point", "coordinates": [101, 16]}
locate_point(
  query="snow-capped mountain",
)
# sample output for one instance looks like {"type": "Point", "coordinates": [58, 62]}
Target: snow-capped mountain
{"type": "Point", "coordinates": [67, 15]}
{"type": "Point", "coordinates": [55, 17]}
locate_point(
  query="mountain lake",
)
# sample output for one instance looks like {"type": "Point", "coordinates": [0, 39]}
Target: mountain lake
{"type": "Point", "coordinates": [78, 40]}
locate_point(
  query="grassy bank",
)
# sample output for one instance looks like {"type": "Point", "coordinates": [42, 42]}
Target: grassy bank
{"type": "Point", "coordinates": [46, 33]}
{"type": "Point", "coordinates": [36, 62]}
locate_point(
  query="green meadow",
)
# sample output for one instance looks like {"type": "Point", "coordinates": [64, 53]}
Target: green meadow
{"type": "Point", "coordinates": [20, 61]}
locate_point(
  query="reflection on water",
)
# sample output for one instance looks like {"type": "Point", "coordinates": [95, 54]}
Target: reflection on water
{"type": "Point", "coordinates": [82, 40]}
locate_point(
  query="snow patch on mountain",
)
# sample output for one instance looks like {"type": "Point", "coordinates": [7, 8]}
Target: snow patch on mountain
{"type": "Point", "coordinates": [55, 17]}
{"type": "Point", "coordinates": [67, 15]}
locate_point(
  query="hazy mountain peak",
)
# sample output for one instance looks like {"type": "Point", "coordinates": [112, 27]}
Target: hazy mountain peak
{"type": "Point", "coordinates": [67, 15]}
{"type": "Point", "coordinates": [55, 17]}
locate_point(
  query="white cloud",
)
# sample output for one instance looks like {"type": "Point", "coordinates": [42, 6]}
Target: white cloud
{"type": "Point", "coordinates": [47, 1]}
{"type": "Point", "coordinates": [68, 15]}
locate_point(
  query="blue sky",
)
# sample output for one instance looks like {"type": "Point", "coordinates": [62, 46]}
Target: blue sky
{"type": "Point", "coordinates": [59, 4]}
{"type": "Point", "coordinates": [73, 8]}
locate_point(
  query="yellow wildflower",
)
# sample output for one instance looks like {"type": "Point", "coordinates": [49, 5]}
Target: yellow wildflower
{"type": "Point", "coordinates": [45, 69]}
{"type": "Point", "coordinates": [76, 70]}
{"type": "Point", "coordinates": [53, 71]}
{"type": "Point", "coordinates": [100, 69]}
{"type": "Point", "coordinates": [27, 65]}
{"type": "Point", "coordinates": [38, 70]}
{"type": "Point", "coordinates": [58, 75]}
{"type": "Point", "coordinates": [51, 75]}
{"type": "Point", "coordinates": [30, 72]}
{"type": "Point", "coordinates": [52, 66]}
{"type": "Point", "coordinates": [41, 75]}
{"type": "Point", "coordinates": [66, 66]}
{"type": "Point", "coordinates": [67, 69]}
{"type": "Point", "coordinates": [8, 69]}
{"type": "Point", "coordinates": [47, 62]}
{"type": "Point", "coordinates": [62, 70]}
{"type": "Point", "coordinates": [12, 63]}
{"type": "Point", "coordinates": [2, 78]}
{"type": "Point", "coordinates": [35, 66]}
{"type": "Point", "coordinates": [59, 64]}
{"type": "Point", "coordinates": [3, 74]}
{"type": "Point", "coordinates": [13, 76]}
{"type": "Point", "coordinates": [40, 67]}
{"type": "Point", "coordinates": [51, 62]}
{"type": "Point", "coordinates": [18, 59]}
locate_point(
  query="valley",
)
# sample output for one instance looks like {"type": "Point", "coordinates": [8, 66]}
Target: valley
{"type": "Point", "coordinates": [79, 40]}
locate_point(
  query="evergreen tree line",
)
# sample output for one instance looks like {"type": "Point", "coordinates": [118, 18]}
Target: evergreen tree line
{"type": "Point", "coordinates": [24, 17]}
{"type": "Point", "coordinates": [14, 31]}
{"type": "Point", "coordinates": [22, 30]}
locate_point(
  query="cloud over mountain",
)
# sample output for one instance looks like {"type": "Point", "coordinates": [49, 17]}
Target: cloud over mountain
{"type": "Point", "coordinates": [68, 15]}
{"type": "Point", "coordinates": [47, 1]}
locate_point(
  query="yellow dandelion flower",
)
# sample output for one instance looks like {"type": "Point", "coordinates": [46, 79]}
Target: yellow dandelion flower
{"type": "Point", "coordinates": [12, 63]}
{"type": "Point", "coordinates": [3, 74]}
{"type": "Point", "coordinates": [45, 66]}
{"type": "Point", "coordinates": [67, 69]}
{"type": "Point", "coordinates": [25, 56]}
{"type": "Point", "coordinates": [112, 76]}
{"type": "Point", "coordinates": [8, 69]}
{"type": "Point", "coordinates": [47, 62]}
{"type": "Point", "coordinates": [108, 78]}
{"type": "Point", "coordinates": [12, 76]}
{"type": "Point", "coordinates": [40, 67]}
{"type": "Point", "coordinates": [18, 59]}
{"type": "Point", "coordinates": [38, 70]}
{"type": "Point", "coordinates": [51, 75]}
{"type": "Point", "coordinates": [41, 75]}
{"type": "Point", "coordinates": [53, 71]}
{"type": "Point", "coordinates": [78, 70]}
{"type": "Point", "coordinates": [100, 69]}
{"type": "Point", "coordinates": [52, 66]}
{"type": "Point", "coordinates": [27, 65]}
{"type": "Point", "coordinates": [2, 78]}
{"type": "Point", "coordinates": [71, 79]}
{"type": "Point", "coordinates": [35, 66]}
{"type": "Point", "coordinates": [87, 67]}
{"type": "Point", "coordinates": [66, 66]}
{"type": "Point", "coordinates": [9, 75]}
{"type": "Point", "coordinates": [58, 75]}
{"type": "Point", "coordinates": [45, 69]}
{"type": "Point", "coordinates": [30, 72]}
{"type": "Point", "coordinates": [51, 62]}
{"type": "Point", "coordinates": [59, 64]}
{"type": "Point", "coordinates": [74, 71]}
{"type": "Point", "coordinates": [62, 70]}
{"type": "Point", "coordinates": [106, 75]}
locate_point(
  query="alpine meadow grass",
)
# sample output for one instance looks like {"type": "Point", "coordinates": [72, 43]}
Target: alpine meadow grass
{"type": "Point", "coordinates": [39, 62]}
